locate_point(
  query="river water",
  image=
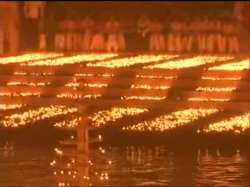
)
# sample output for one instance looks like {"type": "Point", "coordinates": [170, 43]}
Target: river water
{"type": "Point", "coordinates": [124, 166]}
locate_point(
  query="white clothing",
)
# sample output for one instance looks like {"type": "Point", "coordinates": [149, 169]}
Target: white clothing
{"type": "Point", "coordinates": [171, 42]}
{"type": "Point", "coordinates": [112, 43]}
{"type": "Point", "coordinates": [178, 42]}
{"type": "Point", "coordinates": [221, 43]}
{"type": "Point", "coordinates": [162, 42]}
{"type": "Point", "coordinates": [121, 42]}
{"type": "Point", "coordinates": [86, 40]}
{"type": "Point", "coordinates": [210, 43]}
{"type": "Point", "coordinates": [42, 41]}
{"type": "Point", "coordinates": [97, 43]}
{"type": "Point", "coordinates": [76, 37]}
{"type": "Point", "coordinates": [69, 40]}
{"type": "Point", "coordinates": [153, 42]}
{"type": "Point", "coordinates": [60, 41]}
{"type": "Point", "coordinates": [156, 42]}
{"type": "Point", "coordinates": [1, 42]}
{"type": "Point", "coordinates": [233, 44]}
{"type": "Point", "coordinates": [201, 40]}
{"type": "Point", "coordinates": [187, 43]}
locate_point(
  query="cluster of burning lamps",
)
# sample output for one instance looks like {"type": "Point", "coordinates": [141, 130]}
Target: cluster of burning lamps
{"type": "Point", "coordinates": [236, 124]}
{"type": "Point", "coordinates": [170, 121]}
{"type": "Point", "coordinates": [46, 59]}
{"type": "Point", "coordinates": [101, 118]}
{"type": "Point", "coordinates": [31, 116]}
{"type": "Point", "coordinates": [236, 66]}
{"type": "Point", "coordinates": [176, 119]}
{"type": "Point", "coordinates": [28, 57]}
{"type": "Point", "coordinates": [122, 62]}
{"type": "Point", "coordinates": [70, 60]}
{"type": "Point", "coordinates": [189, 62]}
{"type": "Point", "coordinates": [9, 107]}
{"type": "Point", "coordinates": [130, 61]}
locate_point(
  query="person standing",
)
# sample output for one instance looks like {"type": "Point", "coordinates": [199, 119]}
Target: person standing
{"type": "Point", "coordinates": [88, 24]}
{"type": "Point", "coordinates": [177, 28]}
{"type": "Point", "coordinates": [219, 36]}
{"type": "Point", "coordinates": [69, 32]}
{"type": "Point", "coordinates": [156, 39]}
{"type": "Point", "coordinates": [112, 30]}
{"type": "Point", "coordinates": [98, 39]}
{"type": "Point", "coordinates": [143, 28]}
{"type": "Point", "coordinates": [232, 32]}
{"type": "Point", "coordinates": [60, 36]}
{"type": "Point", "coordinates": [50, 30]}
{"type": "Point", "coordinates": [188, 37]}
{"type": "Point", "coordinates": [221, 43]}
{"type": "Point", "coordinates": [120, 37]}
{"type": "Point", "coordinates": [1, 41]}
{"type": "Point", "coordinates": [34, 14]}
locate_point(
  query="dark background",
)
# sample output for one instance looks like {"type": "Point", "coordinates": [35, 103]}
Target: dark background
{"type": "Point", "coordinates": [134, 8]}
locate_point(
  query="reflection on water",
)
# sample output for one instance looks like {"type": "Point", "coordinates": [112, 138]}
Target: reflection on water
{"type": "Point", "coordinates": [121, 166]}
{"type": "Point", "coordinates": [221, 170]}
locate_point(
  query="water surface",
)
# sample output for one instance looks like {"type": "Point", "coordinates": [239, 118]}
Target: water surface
{"type": "Point", "coordinates": [125, 165]}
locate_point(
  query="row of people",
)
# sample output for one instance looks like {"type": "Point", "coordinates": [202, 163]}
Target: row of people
{"type": "Point", "coordinates": [202, 42]}
{"type": "Point", "coordinates": [97, 41]}
{"type": "Point", "coordinates": [173, 42]}
{"type": "Point", "coordinates": [92, 35]}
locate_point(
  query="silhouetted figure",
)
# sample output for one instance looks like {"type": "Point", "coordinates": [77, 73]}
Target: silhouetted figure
{"type": "Point", "coordinates": [33, 12]}
{"type": "Point", "coordinates": [143, 28]}
{"type": "Point", "coordinates": [156, 39]}
{"type": "Point", "coordinates": [88, 24]}
{"type": "Point", "coordinates": [1, 41]}
{"type": "Point", "coordinates": [98, 40]}
{"type": "Point", "coordinates": [111, 28]}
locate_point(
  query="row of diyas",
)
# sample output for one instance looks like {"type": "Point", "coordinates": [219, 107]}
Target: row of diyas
{"type": "Point", "coordinates": [96, 96]}
{"type": "Point", "coordinates": [237, 124]}
{"type": "Point", "coordinates": [142, 98]}
{"type": "Point", "coordinates": [104, 85]}
{"type": "Point", "coordinates": [189, 62]}
{"type": "Point", "coordinates": [34, 74]}
{"type": "Point", "coordinates": [23, 94]}
{"type": "Point", "coordinates": [28, 57]}
{"type": "Point", "coordinates": [130, 61]}
{"type": "Point", "coordinates": [175, 77]}
{"type": "Point", "coordinates": [101, 118]}
{"type": "Point", "coordinates": [172, 120]}
{"type": "Point", "coordinates": [173, 64]}
{"type": "Point", "coordinates": [9, 107]}
{"type": "Point", "coordinates": [76, 96]}
{"type": "Point", "coordinates": [33, 115]}
{"type": "Point", "coordinates": [236, 66]}
{"type": "Point", "coordinates": [70, 59]}
{"type": "Point", "coordinates": [137, 76]}
{"type": "Point", "coordinates": [33, 59]}
{"type": "Point", "coordinates": [17, 83]}
{"type": "Point", "coordinates": [176, 119]}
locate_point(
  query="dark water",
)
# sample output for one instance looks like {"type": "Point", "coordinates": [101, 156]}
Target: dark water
{"type": "Point", "coordinates": [126, 165]}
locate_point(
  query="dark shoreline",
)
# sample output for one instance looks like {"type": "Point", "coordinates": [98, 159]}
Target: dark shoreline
{"type": "Point", "coordinates": [44, 135]}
